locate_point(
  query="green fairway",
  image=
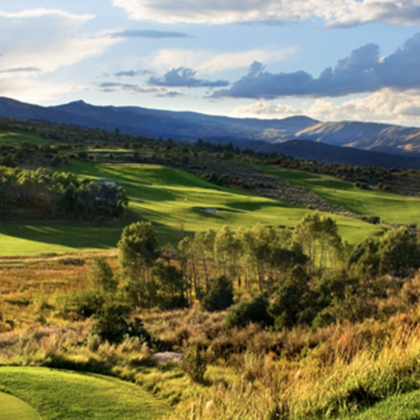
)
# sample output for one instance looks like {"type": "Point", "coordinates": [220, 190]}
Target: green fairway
{"type": "Point", "coordinates": [13, 408]}
{"type": "Point", "coordinates": [173, 200]}
{"type": "Point", "coordinates": [15, 139]}
{"type": "Point", "coordinates": [58, 394]}
{"type": "Point", "coordinates": [389, 207]}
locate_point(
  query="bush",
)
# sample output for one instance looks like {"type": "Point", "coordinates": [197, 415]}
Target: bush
{"type": "Point", "coordinates": [111, 324]}
{"type": "Point", "coordinates": [253, 311]}
{"type": "Point", "coordinates": [195, 365]}
{"type": "Point", "coordinates": [219, 296]}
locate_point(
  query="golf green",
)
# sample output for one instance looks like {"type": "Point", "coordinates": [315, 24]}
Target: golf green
{"type": "Point", "coordinates": [13, 408]}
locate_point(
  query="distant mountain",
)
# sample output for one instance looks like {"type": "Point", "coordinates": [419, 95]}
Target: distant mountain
{"type": "Point", "coordinates": [368, 136]}
{"type": "Point", "coordinates": [187, 126]}
{"type": "Point", "coordinates": [264, 135]}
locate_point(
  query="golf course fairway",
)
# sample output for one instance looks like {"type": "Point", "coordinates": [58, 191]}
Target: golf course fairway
{"type": "Point", "coordinates": [59, 394]}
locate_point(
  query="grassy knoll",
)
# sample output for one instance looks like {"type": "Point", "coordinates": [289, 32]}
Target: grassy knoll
{"type": "Point", "coordinates": [57, 394]}
{"type": "Point", "coordinates": [173, 200]}
{"type": "Point", "coordinates": [13, 408]}
{"type": "Point", "coordinates": [389, 207]}
{"type": "Point", "coordinates": [16, 139]}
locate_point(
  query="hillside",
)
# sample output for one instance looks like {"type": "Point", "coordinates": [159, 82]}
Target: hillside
{"type": "Point", "coordinates": [173, 200]}
{"type": "Point", "coordinates": [368, 136]}
{"type": "Point", "coordinates": [187, 126]}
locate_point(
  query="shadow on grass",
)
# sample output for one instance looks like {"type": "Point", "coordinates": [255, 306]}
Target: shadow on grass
{"type": "Point", "coordinates": [80, 236]}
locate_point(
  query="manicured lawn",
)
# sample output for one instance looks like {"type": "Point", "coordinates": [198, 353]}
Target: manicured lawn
{"type": "Point", "coordinates": [389, 207]}
{"type": "Point", "coordinates": [173, 200]}
{"type": "Point", "coordinates": [13, 408]}
{"type": "Point", "coordinates": [402, 407]}
{"type": "Point", "coordinates": [57, 394]}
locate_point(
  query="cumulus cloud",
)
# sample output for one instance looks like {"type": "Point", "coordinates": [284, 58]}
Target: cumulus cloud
{"type": "Point", "coordinates": [331, 12]}
{"type": "Point", "coordinates": [211, 61]}
{"type": "Point", "coordinates": [363, 71]}
{"type": "Point", "coordinates": [149, 34]}
{"type": "Point", "coordinates": [385, 106]}
{"type": "Point", "coordinates": [47, 39]}
{"type": "Point", "coordinates": [183, 77]}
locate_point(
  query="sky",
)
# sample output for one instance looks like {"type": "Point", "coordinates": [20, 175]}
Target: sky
{"type": "Point", "coordinates": [328, 59]}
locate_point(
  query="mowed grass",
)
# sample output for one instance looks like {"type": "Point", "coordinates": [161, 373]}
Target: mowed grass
{"type": "Point", "coordinates": [13, 408]}
{"type": "Point", "coordinates": [401, 407]}
{"type": "Point", "coordinates": [389, 207]}
{"type": "Point", "coordinates": [15, 138]}
{"type": "Point", "coordinates": [59, 394]}
{"type": "Point", "coordinates": [173, 200]}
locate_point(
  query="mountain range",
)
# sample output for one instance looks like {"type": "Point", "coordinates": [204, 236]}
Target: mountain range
{"type": "Point", "coordinates": [397, 146]}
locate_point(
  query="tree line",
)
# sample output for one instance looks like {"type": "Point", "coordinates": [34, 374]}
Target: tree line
{"type": "Point", "coordinates": [43, 194]}
{"type": "Point", "coordinates": [308, 275]}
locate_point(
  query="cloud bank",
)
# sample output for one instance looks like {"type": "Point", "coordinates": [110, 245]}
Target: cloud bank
{"type": "Point", "coordinates": [363, 71]}
{"type": "Point", "coordinates": [330, 12]}
{"type": "Point", "coordinates": [385, 106]}
{"type": "Point", "coordinates": [46, 40]}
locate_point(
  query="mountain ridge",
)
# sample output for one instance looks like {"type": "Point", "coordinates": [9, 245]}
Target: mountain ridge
{"type": "Point", "coordinates": [260, 134]}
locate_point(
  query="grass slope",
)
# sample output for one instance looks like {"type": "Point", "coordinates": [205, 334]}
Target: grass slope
{"type": "Point", "coordinates": [57, 394]}
{"type": "Point", "coordinates": [16, 139]}
{"type": "Point", "coordinates": [172, 199]}
{"type": "Point", "coordinates": [401, 407]}
{"type": "Point", "coordinates": [13, 408]}
{"type": "Point", "coordinates": [389, 207]}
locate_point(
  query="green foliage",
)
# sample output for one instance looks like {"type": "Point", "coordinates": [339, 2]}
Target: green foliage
{"type": "Point", "coordinates": [81, 304]}
{"type": "Point", "coordinates": [292, 301]}
{"type": "Point", "coordinates": [398, 252]}
{"type": "Point", "coordinates": [44, 194]}
{"type": "Point", "coordinates": [195, 365]}
{"type": "Point", "coordinates": [220, 295]}
{"type": "Point", "coordinates": [138, 250]}
{"type": "Point", "coordinates": [170, 287]}
{"type": "Point", "coordinates": [101, 276]}
{"type": "Point", "coordinates": [253, 311]}
{"type": "Point", "coordinates": [112, 323]}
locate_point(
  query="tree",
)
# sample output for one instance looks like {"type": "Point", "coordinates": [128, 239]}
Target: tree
{"type": "Point", "coordinates": [170, 286]}
{"type": "Point", "coordinates": [398, 252]}
{"type": "Point", "coordinates": [137, 253]}
{"type": "Point", "coordinates": [220, 295]}
{"type": "Point", "coordinates": [253, 311]}
{"type": "Point", "coordinates": [101, 276]}
{"type": "Point", "coordinates": [292, 299]}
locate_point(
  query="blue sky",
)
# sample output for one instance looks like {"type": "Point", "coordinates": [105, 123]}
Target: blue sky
{"type": "Point", "coordinates": [328, 59]}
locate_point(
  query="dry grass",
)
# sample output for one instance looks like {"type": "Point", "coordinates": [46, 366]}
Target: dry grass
{"type": "Point", "coordinates": [27, 281]}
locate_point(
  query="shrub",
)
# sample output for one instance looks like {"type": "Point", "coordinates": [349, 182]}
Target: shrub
{"type": "Point", "coordinates": [219, 296]}
{"type": "Point", "coordinates": [253, 311]}
{"type": "Point", "coordinates": [195, 364]}
{"type": "Point", "coordinates": [111, 323]}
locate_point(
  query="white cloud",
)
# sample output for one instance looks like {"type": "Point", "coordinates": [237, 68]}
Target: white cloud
{"type": "Point", "coordinates": [385, 106]}
{"type": "Point", "coordinates": [212, 61]}
{"type": "Point", "coordinates": [35, 92]}
{"type": "Point", "coordinates": [331, 12]}
{"type": "Point", "coordinates": [46, 40]}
